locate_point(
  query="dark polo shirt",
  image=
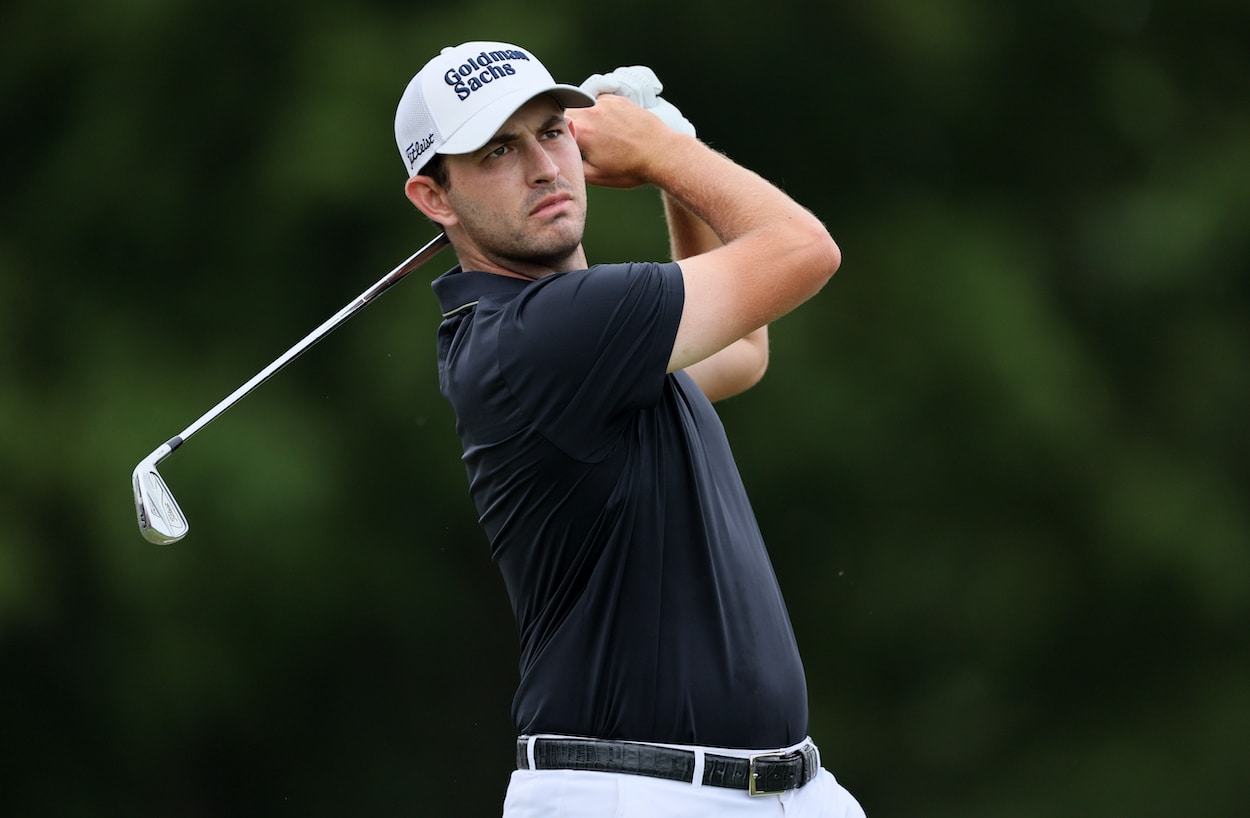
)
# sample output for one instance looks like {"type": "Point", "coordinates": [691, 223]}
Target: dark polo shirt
{"type": "Point", "coordinates": [645, 601]}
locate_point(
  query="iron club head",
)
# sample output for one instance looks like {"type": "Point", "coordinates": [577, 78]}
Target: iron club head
{"type": "Point", "coordinates": [160, 519]}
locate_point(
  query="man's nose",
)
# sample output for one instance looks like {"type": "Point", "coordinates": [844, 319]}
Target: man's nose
{"type": "Point", "coordinates": [541, 168]}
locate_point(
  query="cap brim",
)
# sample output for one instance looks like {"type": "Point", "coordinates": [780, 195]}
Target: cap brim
{"type": "Point", "coordinates": [479, 128]}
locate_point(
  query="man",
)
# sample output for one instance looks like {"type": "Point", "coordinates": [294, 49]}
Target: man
{"type": "Point", "coordinates": [659, 671]}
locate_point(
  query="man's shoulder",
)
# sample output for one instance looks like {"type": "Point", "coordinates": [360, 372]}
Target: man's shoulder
{"type": "Point", "coordinates": [459, 286]}
{"type": "Point", "coordinates": [616, 277]}
{"type": "Point", "coordinates": [593, 299]}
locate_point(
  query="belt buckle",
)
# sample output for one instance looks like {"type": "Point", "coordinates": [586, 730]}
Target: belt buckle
{"type": "Point", "coordinates": [752, 774]}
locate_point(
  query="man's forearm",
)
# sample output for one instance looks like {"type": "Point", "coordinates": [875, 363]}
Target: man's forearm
{"type": "Point", "coordinates": [739, 366]}
{"type": "Point", "coordinates": [688, 234]}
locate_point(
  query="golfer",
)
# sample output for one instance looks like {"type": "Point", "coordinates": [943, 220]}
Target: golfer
{"type": "Point", "coordinates": [659, 674]}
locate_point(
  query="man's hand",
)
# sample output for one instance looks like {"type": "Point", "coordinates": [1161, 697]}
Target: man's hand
{"type": "Point", "coordinates": [641, 86]}
{"type": "Point", "coordinates": [618, 139]}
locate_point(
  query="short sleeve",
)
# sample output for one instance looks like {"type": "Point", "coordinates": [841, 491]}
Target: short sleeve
{"type": "Point", "coordinates": [582, 351]}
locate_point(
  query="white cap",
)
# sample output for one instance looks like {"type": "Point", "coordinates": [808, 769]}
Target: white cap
{"type": "Point", "coordinates": [461, 98]}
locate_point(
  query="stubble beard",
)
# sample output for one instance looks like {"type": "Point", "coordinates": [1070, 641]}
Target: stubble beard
{"type": "Point", "coordinates": [517, 244]}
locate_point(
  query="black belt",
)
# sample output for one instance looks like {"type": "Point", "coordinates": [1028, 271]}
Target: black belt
{"type": "Point", "coordinates": [760, 774]}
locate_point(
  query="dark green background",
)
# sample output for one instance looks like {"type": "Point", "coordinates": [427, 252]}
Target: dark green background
{"type": "Point", "coordinates": [1001, 462]}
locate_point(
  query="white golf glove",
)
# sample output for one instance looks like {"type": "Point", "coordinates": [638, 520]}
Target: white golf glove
{"type": "Point", "coordinates": [641, 86]}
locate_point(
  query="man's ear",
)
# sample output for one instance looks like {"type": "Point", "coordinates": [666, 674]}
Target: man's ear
{"type": "Point", "coordinates": [431, 199]}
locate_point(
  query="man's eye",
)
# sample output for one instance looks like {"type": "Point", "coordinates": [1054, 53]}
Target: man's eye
{"type": "Point", "coordinates": [553, 134]}
{"type": "Point", "coordinates": [498, 152]}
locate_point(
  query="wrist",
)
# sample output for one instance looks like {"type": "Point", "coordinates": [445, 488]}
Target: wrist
{"type": "Point", "coordinates": [672, 157]}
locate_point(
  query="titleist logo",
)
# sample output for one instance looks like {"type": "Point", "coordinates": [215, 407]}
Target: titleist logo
{"type": "Point", "coordinates": [417, 148]}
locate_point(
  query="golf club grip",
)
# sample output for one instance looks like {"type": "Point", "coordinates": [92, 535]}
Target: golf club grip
{"type": "Point", "coordinates": [392, 278]}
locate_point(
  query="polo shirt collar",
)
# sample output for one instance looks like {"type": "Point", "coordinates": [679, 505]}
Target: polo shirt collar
{"type": "Point", "coordinates": [459, 288]}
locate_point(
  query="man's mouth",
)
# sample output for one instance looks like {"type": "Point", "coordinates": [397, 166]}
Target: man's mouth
{"type": "Point", "coordinates": [552, 205]}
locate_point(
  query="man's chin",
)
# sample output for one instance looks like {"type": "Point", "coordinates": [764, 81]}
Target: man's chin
{"type": "Point", "coordinates": [558, 248]}
{"type": "Point", "coordinates": [559, 253]}
{"type": "Point", "coordinates": [557, 260]}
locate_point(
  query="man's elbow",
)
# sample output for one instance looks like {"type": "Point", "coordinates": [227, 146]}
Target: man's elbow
{"type": "Point", "coordinates": [834, 255]}
{"type": "Point", "coordinates": [820, 256]}
{"type": "Point", "coordinates": [755, 375]}
{"type": "Point", "coordinates": [753, 362]}
{"type": "Point", "coordinates": [760, 345]}
{"type": "Point", "coordinates": [827, 254]}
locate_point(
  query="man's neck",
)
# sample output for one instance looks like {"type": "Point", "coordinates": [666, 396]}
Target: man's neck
{"type": "Point", "coordinates": [521, 268]}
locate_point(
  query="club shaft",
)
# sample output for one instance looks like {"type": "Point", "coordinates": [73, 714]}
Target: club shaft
{"type": "Point", "coordinates": [334, 322]}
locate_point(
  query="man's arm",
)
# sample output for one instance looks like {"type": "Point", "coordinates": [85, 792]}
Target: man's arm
{"type": "Point", "coordinates": [739, 366]}
{"type": "Point", "coordinates": [774, 256]}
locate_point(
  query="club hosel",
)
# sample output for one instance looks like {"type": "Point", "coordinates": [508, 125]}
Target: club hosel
{"type": "Point", "coordinates": [164, 450]}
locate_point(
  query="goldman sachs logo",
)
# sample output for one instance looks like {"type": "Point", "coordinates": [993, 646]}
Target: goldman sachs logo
{"type": "Point", "coordinates": [478, 72]}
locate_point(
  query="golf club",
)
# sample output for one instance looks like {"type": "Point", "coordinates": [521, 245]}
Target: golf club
{"type": "Point", "coordinates": [161, 521]}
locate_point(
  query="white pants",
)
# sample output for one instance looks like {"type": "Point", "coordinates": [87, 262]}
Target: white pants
{"type": "Point", "coordinates": [579, 794]}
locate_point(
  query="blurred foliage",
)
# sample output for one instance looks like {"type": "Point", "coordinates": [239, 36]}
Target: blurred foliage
{"type": "Point", "coordinates": [1002, 462]}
